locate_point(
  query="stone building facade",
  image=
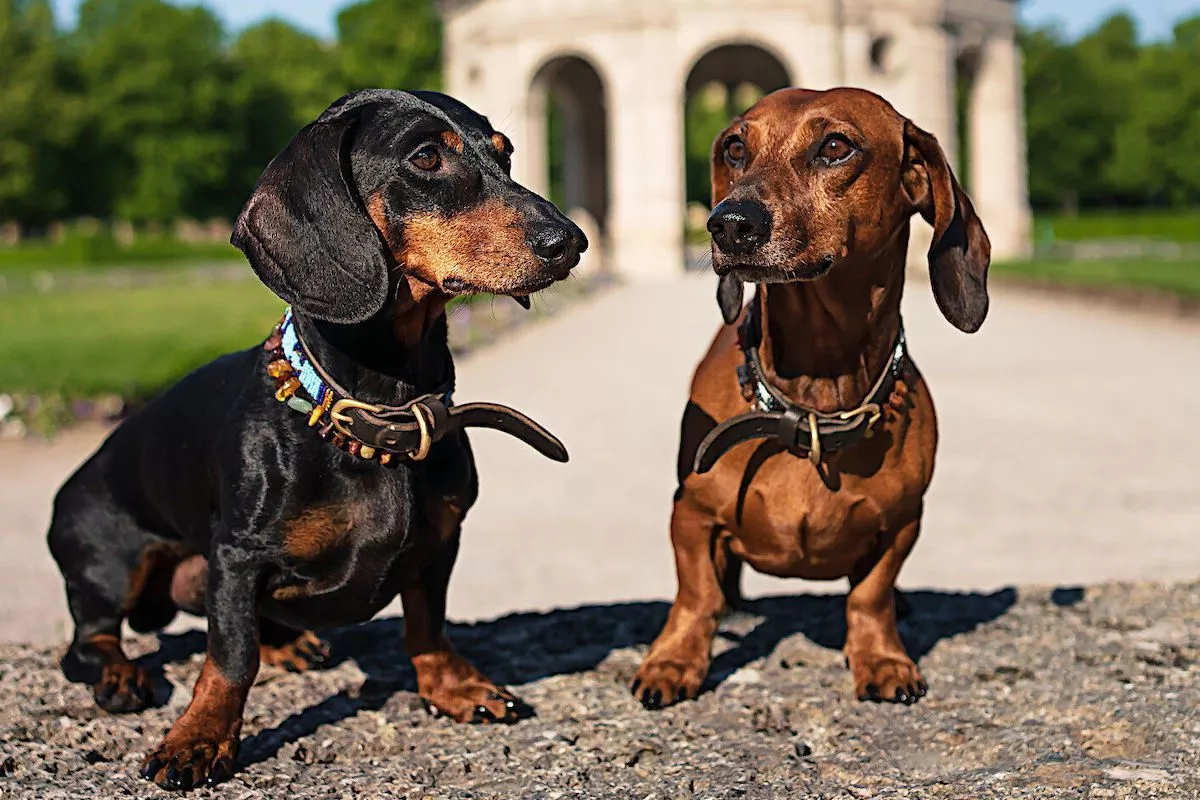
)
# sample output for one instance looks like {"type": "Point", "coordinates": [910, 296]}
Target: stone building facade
{"type": "Point", "coordinates": [620, 72]}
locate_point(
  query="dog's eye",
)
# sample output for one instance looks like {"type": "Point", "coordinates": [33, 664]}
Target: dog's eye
{"type": "Point", "coordinates": [735, 151]}
{"type": "Point", "coordinates": [836, 149]}
{"type": "Point", "coordinates": [427, 158]}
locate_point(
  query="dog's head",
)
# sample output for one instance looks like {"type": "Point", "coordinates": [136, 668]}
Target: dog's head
{"type": "Point", "coordinates": [805, 181]}
{"type": "Point", "coordinates": [387, 186]}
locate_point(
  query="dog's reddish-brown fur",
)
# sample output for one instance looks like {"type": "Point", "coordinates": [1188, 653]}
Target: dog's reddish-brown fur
{"type": "Point", "coordinates": [830, 281]}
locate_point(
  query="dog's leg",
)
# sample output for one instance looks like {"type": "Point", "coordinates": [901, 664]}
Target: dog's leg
{"type": "Point", "coordinates": [679, 659]}
{"type": "Point", "coordinates": [290, 649]}
{"type": "Point", "coordinates": [201, 746]}
{"type": "Point", "coordinates": [731, 577]}
{"type": "Point", "coordinates": [881, 668]}
{"type": "Point", "coordinates": [446, 681]}
{"type": "Point", "coordinates": [98, 555]}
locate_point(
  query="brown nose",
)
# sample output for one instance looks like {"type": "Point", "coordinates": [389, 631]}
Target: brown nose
{"type": "Point", "coordinates": [739, 227]}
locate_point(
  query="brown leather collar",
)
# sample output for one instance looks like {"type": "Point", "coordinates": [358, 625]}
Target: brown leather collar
{"type": "Point", "coordinates": [795, 427]}
{"type": "Point", "coordinates": [388, 433]}
{"type": "Point", "coordinates": [413, 428]}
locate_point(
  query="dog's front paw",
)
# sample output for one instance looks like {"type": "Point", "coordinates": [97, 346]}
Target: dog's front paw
{"type": "Point", "coordinates": [478, 703]}
{"type": "Point", "coordinates": [664, 681]}
{"type": "Point", "coordinates": [451, 687]}
{"type": "Point", "coordinates": [307, 651]}
{"type": "Point", "coordinates": [887, 679]}
{"type": "Point", "coordinates": [123, 688]}
{"type": "Point", "coordinates": [186, 764]}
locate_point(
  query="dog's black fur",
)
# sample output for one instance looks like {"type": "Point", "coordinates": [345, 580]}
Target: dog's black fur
{"type": "Point", "coordinates": [221, 500]}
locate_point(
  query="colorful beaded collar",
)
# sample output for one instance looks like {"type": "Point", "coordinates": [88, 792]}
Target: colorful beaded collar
{"type": "Point", "coordinates": [304, 387]}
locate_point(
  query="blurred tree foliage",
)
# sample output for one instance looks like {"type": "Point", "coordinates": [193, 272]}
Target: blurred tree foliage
{"type": "Point", "coordinates": [150, 111]}
{"type": "Point", "coordinates": [708, 112]}
{"type": "Point", "coordinates": [1112, 121]}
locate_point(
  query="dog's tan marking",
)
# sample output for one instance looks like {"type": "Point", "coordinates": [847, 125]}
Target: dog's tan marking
{"type": "Point", "coordinates": [377, 211]}
{"type": "Point", "coordinates": [316, 531]}
{"type": "Point", "coordinates": [453, 141]}
{"type": "Point", "coordinates": [484, 246]}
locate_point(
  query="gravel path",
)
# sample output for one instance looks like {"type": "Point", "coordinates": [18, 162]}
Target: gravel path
{"type": "Point", "coordinates": [1035, 694]}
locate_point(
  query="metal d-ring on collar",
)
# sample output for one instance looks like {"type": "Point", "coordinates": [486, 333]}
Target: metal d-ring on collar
{"type": "Point", "coordinates": [795, 427]}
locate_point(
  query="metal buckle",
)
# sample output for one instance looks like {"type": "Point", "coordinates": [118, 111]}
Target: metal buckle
{"type": "Point", "coordinates": [867, 408]}
{"type": "Point", "coordinates": [426, 425]}
{"type": "Point", "coordinates": [814, 445]}
{"type": "Point", "coordinates": [341, 420]}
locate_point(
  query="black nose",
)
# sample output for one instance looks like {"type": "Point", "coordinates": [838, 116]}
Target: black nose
{"type": "Point", "coordinates": [739, 227]}
{"type": "Point", "coordinates": [556, 246]}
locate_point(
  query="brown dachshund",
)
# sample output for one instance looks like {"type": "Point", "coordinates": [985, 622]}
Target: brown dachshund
{"type": "Point", "coordinates": [808, 441]}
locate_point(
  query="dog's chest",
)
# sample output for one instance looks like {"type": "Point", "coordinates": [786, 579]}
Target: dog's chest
{"type": "Point", "coordinates": [793, 520]}
{"type": "Point", "coordinates": [792, 524]}
{"type": "Point", "coordinates": [341, 557]}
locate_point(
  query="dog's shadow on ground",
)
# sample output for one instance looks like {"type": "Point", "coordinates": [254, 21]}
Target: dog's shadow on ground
{"type": "Point", "coordinates": [522, 648]}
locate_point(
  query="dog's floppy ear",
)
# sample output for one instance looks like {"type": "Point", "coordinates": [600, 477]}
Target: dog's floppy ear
{"type": "Point", "coordinates": [960, 252]}
{"type": "Point", "coordinates": [730, 291]}
{"type": "Point", "coordinates": [305, 230]}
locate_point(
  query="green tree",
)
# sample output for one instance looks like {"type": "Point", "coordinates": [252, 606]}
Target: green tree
{"type": "Point", "coordinates": [1156, 154]}
{"type": "Point", "coordinates": [1111, 56]}
{"type": "Point", "coordinates": [300, 67]}
{"type": "Point", "coordinates": [38, 120]}
{"type": "Point", "coordinates": [1069, 120]}
{"type": "Point", "coordinates": [161, 119]}
{"type": "Point", "coordinates": [391, 44]}
{"type": "Point", "coordinates": [285, 79]}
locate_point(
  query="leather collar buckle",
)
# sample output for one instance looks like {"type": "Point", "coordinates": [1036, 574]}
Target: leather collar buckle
{"type": "Point", "coordinates": [341, 420]}
{"type": "Point", "coordinates": [873, 409]}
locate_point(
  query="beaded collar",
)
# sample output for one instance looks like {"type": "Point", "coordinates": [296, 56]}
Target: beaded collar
{"type": "Point", "coordinates": [305, 388]}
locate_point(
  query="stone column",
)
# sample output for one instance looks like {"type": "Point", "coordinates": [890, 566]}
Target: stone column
{"type": "Point", "coordinates": [646, 157]}
{"type": "Point", "coordinates": [999, 186]}
{"type": "Point", "coordinates": [927, 98]}
{"type": "Point", "coordinates": [531, 146]}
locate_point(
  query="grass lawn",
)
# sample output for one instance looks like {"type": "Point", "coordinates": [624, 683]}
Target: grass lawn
{"type": "Point", "coordinates": [132, 341]}
{"type": "Point", "coordinates": [1178, 277]}
{"type": "Point", "coordinates": [100, 252]}
{"type": "Point", "coordinates": [1181, 225]}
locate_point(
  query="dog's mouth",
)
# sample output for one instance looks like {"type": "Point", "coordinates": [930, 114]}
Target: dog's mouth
{"type": "Point", "coordinates": [763, 271]}
{"type": "Point", "coordinates": [522, 293]}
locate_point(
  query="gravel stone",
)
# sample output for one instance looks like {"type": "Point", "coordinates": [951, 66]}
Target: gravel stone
{"type": "Point", "coordinates": [1036, 693]}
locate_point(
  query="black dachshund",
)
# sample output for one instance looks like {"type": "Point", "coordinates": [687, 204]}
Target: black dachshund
{"type": "Point", "coordinates": [307, 482]}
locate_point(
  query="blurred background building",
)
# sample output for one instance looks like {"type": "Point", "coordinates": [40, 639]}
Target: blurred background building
{"type": "Point", "coordinates": [618, 77]}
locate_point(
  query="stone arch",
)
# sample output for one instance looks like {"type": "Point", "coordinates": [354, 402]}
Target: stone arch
{"type": "Point", "coordinates": [569, 105]}
{"type": "Point", "coordinates": [738, 61]}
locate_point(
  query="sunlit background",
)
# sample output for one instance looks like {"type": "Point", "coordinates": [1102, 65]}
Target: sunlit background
{"type": "Point", "coordinates": [133, 130]}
